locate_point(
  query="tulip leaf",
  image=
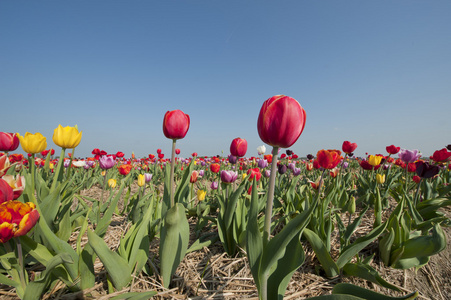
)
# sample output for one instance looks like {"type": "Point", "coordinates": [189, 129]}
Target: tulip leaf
{"type": "Point", "coordinates": [182, 189]}
{"type": "Point", "coordinates": [368, 273]}
{"type": "Point", "coordinates": [357, 291]}
{"type": "Point", "coordinates": [323, 255]}
{"type": "Point", "coordinates": [350, 251]}
{"type": "Point", "coordinates": [116, 266]}
{"type": "Point", "coordinates": [174, 238]}
{"type": "Point", "coordinates": [5, 280]}
{"type": "Point", "coordinates": [254, 238]}
{"type": "Point", "coordinates": [105, 221]}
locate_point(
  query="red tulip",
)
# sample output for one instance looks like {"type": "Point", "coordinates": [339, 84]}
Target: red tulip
{"type": "Point", "coordinates": [160, 156]}
{"type": "Point", "coordinates": [158, 151]}
{"type": "Point", "coordinates": [416, 179]}
{"type": "Point", "coordinates": [124, 169]}
{"type": "Point", "coordinates": [16, 219]}
{"type": "Point", "coordinates": [151, 156]}
{"type": "Point", "coordinates": [194, 154]}
{"type": "Point", "coordinates": [441, 155]}
{"type": "Point", "coordinates": [175, 124]}
{"type": "Point", "coordinates": [238, 147]}
{"type": "Point", "coordinates": [254, 173]}
{"type": "Point", "coordinates": [8, 141]}
{"type": "Point", "coordinates": [215, 167]}
{"type": "Point", "coordinates": [392, 149]}
{"type": "Point", "coordinates": [120, 154]}
{"type": "Point", "coordinates": [194, 176]}
{"type": "Point", "coordinates": [281, 121]}
{"type": "Point", "coordinates": [268, 157]}
{"type": "Point", "coordinates": [348, 147]}
{"type": "Point", "coordinates": [6, 191]}
{"type": "Point", "coordinates": [328, 159]}
{"type": "Point", "coordinates": [177, 151]}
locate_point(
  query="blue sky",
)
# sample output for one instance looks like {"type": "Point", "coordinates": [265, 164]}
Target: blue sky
{"type": "Point", "coordinates": [372, 72]}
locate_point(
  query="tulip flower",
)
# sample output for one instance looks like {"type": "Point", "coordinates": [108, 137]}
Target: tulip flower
{"type": "Point", "coordinates": [261, 150]}
{"type": "Point", "coordinates": [262, 163]}
{"type": "Point", "coordinates": [333, 172]}
{"type": "Point", "coordinates": [124, 169]}
{"type": "Point", "coordinates": [147, 177]}
{"type": "Point", "coordinates": [215, 167]}
{"type": "Point", "coordinates": [310, 156]}
{"type": "Point", "coordinates": [120, 154]}
{"type": "Point", "coordinates": [408, 155]}
{"type": "Point", "coordinates": [268, 158]}
{"type": "Point", "coordinates": [328, 159]}
{"type": "Point", "coordinates": [112, 183]}
{"type": "Point", "coordinates": [416, 179]}
{"type": "Point", "coordinates": [426, 170]}
{"type": "Point", "coordinates": [281, 121]}
{"type": "Point", "coordinates": [4, 165]}
{"type": "Point", "coordinates": [282, 169]}
{"type": "Point", "coordinates": [254, 173]}
{"type": "Point", "coordinates": [193, 177]}
{"type": "Point", "coordinates": [348, 147]}
{"type": "Point", "coordinates": [228, 176]}
{"type": "Point", "coordinates": [214, 185]}
{"type": "Point", "coordinates": [232, 159]}
{"type": "Point", "coordinates": [6, 191]}
{"type": "Point", "coordinates": [441, 156]}
{"type": "Point", "coordinates": [367, 166]}
{"type": "Point", "coordinates": [380, 178]}
{"type": "Point", "coordinates": [17, 184]}
{"type": "Point", "coordinates": [309, 166]}
{"type": "Point", "coordinates": [141, 180]}
{"type": "Point", "coordinates": [175, 124]}
{"type": "Point", "coordinates": [177, 151]}
{"type": "Point", "coordinates": [201, 195]}
{"type": "Point", "coordinates": [8, 141]}
{"type": "Point", "coordinates": [106, 162]}
{"type": "Point", "coordinates": [238, 147]}
{"type": "Point", "coordinates": [33, 143]}
{"type": "Point", "coordinates": [16, 219]}
{"type": "Point", "coordinates": [296, 171]}
{"type": "Point", "coordinates": [392, 149]}
{"type": "Point", "coordinates": [374, 160]}
{"type": "Point", "coordinates": [66, 137]}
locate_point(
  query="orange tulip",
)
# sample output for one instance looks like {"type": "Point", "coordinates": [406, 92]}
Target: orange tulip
{"type": "Point", "coordinates": [124, 169]}
{"type": "Point", "coordinates": [16, 219]}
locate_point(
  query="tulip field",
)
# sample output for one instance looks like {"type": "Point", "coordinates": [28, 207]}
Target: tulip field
{"type": "Point", "coordinates": [263, 223]}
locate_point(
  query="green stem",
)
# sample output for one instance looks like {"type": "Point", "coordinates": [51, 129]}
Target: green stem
{"type": "Point", "coordinates": [270, 198]}
{"type": "Point", "coordinates": [104, 184]}
{"type": "Point", "coordinates": [21, 265]}
{"type": "Point", "coordinates": [33, 173]}
{"type": "Point", "coordinates": [417, 193]}
{"type": "Point", "coordinates": [172, 172]}
{"type": "Point", "coordinates": [58, 169]}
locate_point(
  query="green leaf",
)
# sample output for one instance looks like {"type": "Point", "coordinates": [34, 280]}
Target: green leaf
{"type": "Point", "coordinates": [105, 221]}
{"type": "Point", "coordinates": [350, 251]}
{"type": "Point", "coordinates": [117, 267]}
{"type": "Point", "coordinates": [367, 272]}
{"type": "Point", "coordinates": [329, 266]}
{"type": "Point", "coordinates": [357, 291]}
{"type": "Point", "coordinates": [174, 238]}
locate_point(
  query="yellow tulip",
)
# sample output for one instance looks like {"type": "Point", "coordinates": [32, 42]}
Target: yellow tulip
{"type": "Point", "coordinates": [103, 173]}
{"type": "Point", "coordinates": [112, 183]}
{"type": "Point", "coordinates": [380, 178]}
{"type": "Point", "coordinates": [243, 176]}
{"type": "Point", "coordinates": [51, 166]}
{"type": "Point", "coordinates": [141, 180]}
{"type": "Point", "coordinates": [201, 195]}
{"type": "Point", "coordinates": [374, 160]}
{"type": "Point", "coordinates": [66, 137]}
{"type": "Point", "coordinates": [33, 143]}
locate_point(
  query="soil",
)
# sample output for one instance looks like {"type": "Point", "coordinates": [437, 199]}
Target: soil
{"type": "Point", "coordinates": [211, 274]}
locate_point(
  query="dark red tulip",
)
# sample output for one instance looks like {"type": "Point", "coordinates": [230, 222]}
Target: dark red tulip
{"type": "Point", "coordinates": [426, 170]}
{"type": "Point", "coordinates": [238, 147]}
{"type": "Point", "coordinates": [392, 149]}
{"type": "Point", "coordinates": [175, 124]}
{"type": "Point", "coordinates": [281, 121]}
{"type": "Point", "coordinates": [348, 147]}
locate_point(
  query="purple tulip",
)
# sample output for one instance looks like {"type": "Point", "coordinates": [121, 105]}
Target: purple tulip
{"type": "Point", "coordinates": [147, 177]}
{"type": "Point", "coordinates": [345, 165]}
{"type": "Point", "coordinates": [262, 163]}
{"type": "Point", "coordinates": [232, 159]}
{"type": "Point", "coordinates": [203, 163]}
{"type": "Point", "coordinates": [106, 162]}
{"type": "Point", "coordinates": [86, 166]}
{"type": "Point", "coordinates": [66, 163]}
{"type": "Point", "coordinates": [90, 163]}
{"type": "Point", "coordinates": [201, 173]}
{"type": "Point", "coordinates": [267, 173]}
{"type": "Point", "coordinates": [228, 176]}
{"type": "Point", "coordinates": [282, 169]}
{"type": "Point", "coordinates": [296, 171]}
{"type": "Point", "coordinates": [309, 156]}
{"type": "Point", "coordinates": [408, 156]}
{"type": "Point", "coordinates": [214, 185]}
{"type": "Point", "coordinates": [291, 166]}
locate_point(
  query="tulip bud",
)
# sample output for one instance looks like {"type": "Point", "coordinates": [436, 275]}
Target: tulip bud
{"type": "Point", "coordinates": [214, 185]}
{"type": "Point", "coordinates": [175, 124]}
{"type": "Point", "coordinates": [141, 180]}
{"type": "Point", "coordinates": [351, 205]}
{"type": "Point", "coordinates": [193, 177]}
{"type": "Point", "coordinates": [261, 149]}
{"type": "Point", "coordinates": [232, 159]}
{"type": "Point", "coordinates": [238, 147]}
{"type": "Point", "coordinates": [282, 169]}
{"type": "Point", "coordinates": [262, 163]}
{"type": "Point", "coordinates": [147, 177]}
{"type": "Point", "coordinates": [380, 178]}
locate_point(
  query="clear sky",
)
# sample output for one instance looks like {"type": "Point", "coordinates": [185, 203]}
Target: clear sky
{"type": "Point", "coordinates": [372, 72]}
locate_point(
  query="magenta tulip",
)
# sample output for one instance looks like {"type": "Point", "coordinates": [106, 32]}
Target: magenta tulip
{"type": "Point", "coordinates": [8, 141]}
{"type": "Point", "coordinates": [281, 121]}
